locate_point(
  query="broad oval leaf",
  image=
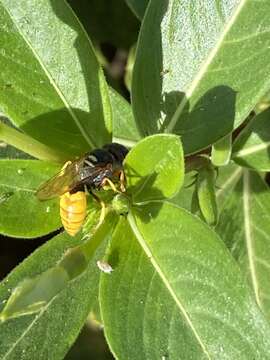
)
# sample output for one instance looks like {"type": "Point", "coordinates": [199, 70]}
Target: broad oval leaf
{"type": "Point", "coordinates": [167, 293]}
{"type": "Point", "coordinates": [252, 146]}
{"type": "Point", "coordinates": [244, 225]}
{"type": "Point", "coordinates": [21, 213]}
{"type": "Point", "coordinates": [154, 168]}
{"type": "Point", "coordinates": [52, 86]}
{"type": "Point", "coordinates": [62, 317]}
{"type": "Point", "coordinates": [193, 63]}
{"type": "Point", "coordinates": [228, 176]}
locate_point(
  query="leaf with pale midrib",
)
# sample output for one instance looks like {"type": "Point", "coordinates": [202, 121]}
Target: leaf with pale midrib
{"type": "Point", "coordinates": [200, 67]}
{"type": "Point", "coordinates": [49, 334]}
{"type": "Point", "coordinates": [163, 298]}
{"type": "Point", "coordinates": [252, 146]}
{"type": "Point", "coordinates": [245, 227]}
{"type": "Point", "coordinates": [52, 85]}
{"type": "Point", "coordinates": [21, 213]}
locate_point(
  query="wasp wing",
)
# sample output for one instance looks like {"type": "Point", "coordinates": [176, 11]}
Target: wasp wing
{"type": "Point", "coordinates": [62, 182]}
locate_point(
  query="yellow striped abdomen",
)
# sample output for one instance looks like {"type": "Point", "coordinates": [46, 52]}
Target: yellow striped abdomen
{"type": "Point", "coordinates": [73, 211]}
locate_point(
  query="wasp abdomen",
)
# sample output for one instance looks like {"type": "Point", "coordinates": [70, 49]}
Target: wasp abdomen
{"type": "Point", "coordinates": [73, 211]}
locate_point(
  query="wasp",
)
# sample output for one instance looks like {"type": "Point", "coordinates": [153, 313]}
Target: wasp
{"type": "Point", "coordinates": [92, 171]}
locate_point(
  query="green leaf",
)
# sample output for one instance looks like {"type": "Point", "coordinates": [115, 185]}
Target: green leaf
{"type": "Point", "coordinates": [34, 294]}
{"type": "Point", "coordinates": [124, 127]}
{"type": "Point", "coordinates": [164, 299]}
{"type": "Point", "coordinates": [205, 186]}
{"type": "Point", "coordinates": [138, 7]}
{"type": "Point", "coordinates": [221, 151]}
{"type": "Point", "coordinates": [252, 146]}
{"type": "Point", "coordinates": [52, 86]}
{"type": "Point", "coordinates": [129, 66]}
{"type": "Point", "coordinates": [245, 227]}
{"type": "Point", "coordinates": [63, 316]}
{"type": "Point", "coordinates": [184, 197]}
{"type": "Point", "coordinates": [21, 213]}
{"type": "Point", "coordinates": [192, 67]}
{"type": "Point", "coordinates": [154, 168]}
{"type": "Point", "coordinates": [228, 176]}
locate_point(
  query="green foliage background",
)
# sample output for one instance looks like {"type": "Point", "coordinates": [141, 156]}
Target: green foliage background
{"type": "Point", "coordinates": [184, 84]}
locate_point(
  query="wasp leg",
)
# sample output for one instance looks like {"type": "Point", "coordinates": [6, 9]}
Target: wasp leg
{"type": "Point", "coordinates": [110, 183]}
{"type": "Point", "coordinates": [122, 181]}
{"type": "Point", "coordinates": [103, 208]}
{"type": "Point", "coordinates": [66, 164]}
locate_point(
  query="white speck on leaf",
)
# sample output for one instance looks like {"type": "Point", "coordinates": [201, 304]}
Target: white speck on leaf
{"type": "Point", "coordinates": [104, 266]}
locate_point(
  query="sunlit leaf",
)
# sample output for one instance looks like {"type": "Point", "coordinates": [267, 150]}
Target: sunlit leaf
{"type": "Point", "coordinates": [252, 147]}
{"type": "Point", "coordinates": [245, 227]}
{"type": "Point", "coordinates": [52, 86]}
{"type": "Point", "coordinates": [163, 290]}
{"type": "Point", "coordinates": [200, 67]}
{"type": "Point", "coordinates": [62, 318]}
{"type": "Point", "coordinates": [227, 178]}
{"type": "Point", "coordinates": [155, 168]}
{"type": "Point", "coordinates": [129, 66]}
{"type": "Point", "coordinates": [21, 213]}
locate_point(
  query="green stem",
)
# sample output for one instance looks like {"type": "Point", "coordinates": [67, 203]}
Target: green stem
{"type": "Point", "coordinates": [29, 145]}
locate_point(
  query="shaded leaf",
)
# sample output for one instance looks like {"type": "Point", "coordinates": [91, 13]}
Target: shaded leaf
{"type": "Point", "coordinates": [52, 86]}
{"type": "Point", "coordinates": [8, 151]}
{"type": "Point", "coordinates": [192, 67]}
{"type": "Point", "coordinates": [252, 146]}
{"type": "Point", "coordinates": [124, 127]}
{"type": "Point", "coordinates": [63, 316]}
{"type": "Point", "coordinates": [138, 7]}
{"type": "Point", "coordinates": [33, 295]}
{"type": "Point", "coordinates": [21, 213]}
{"type": "Point", "coordinates": [205, 189]}
{"type": "Point", "coordinates": [154, 168]}
{"type": "Point", "coordinates": [245, 227]}
{"type": "Point", "coordinates": [228, 176]}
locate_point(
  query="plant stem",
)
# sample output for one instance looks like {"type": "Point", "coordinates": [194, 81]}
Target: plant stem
{"type": "Point", "coordinates": [29, 145]}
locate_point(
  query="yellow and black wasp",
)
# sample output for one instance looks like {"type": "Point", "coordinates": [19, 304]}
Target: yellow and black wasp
{"type": "Point", "coordinates": [93, 171]}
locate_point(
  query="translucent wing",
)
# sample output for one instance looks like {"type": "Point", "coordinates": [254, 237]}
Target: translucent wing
{"type": "Point", "coordinates": [62, 182]}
